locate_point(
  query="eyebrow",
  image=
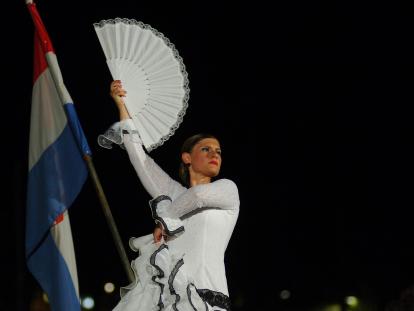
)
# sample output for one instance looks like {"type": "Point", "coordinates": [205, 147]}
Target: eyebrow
{"type": "Point", "coordinates": [207, 145]}
{"type": "Point", "coordinates": [202, 146]}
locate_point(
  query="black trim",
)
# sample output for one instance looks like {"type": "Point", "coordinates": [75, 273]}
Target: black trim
{"type": "Point", "coordinates": [160, 274]}
{"type": "Point", "coordinates": [167, 231]}
{"type": "Point", "coordinates": [189, 297]}
{"type": "Point", "coordinates": [153, 205]}
{"type": "Point", "coordinates": [171, 280]}
{"type": "Point", "coordinates": [215, 299]}
{"type": "Point", "coordinates": [132, 132]}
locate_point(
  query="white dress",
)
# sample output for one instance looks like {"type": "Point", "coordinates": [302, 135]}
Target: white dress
{"type": "Point", "coordinates": [186, 272]}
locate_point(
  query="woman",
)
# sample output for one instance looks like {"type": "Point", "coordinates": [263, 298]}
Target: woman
{"type": "Point", "coordinates": [182, 267]}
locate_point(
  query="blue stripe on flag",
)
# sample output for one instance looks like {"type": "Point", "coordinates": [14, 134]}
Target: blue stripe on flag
{"type": "Point", "coordinates": [49, 268]}
{"type": "Point", "coordinates": [53, 184]}
{"type": "Point", "coordinates": [76, 128]}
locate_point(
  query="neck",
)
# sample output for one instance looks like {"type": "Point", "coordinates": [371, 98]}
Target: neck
{"type": "Point", "coordinates": [198, 179]}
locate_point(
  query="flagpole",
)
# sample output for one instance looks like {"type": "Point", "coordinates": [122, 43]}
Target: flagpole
{"type": "Point", "coordinates": [108, 215]}
{"type": "Point", "coordinates": [76, 129]}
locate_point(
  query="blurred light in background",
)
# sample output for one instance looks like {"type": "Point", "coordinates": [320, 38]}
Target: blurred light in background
{"type": "Point", "coordinates": [352, 301]}
{"type": "Point", "coordinates": [88, 303]}
{"type": "Point", "coordinates": [44, 297]}
{"type": "Point", "coordinates": [285, 294]}
{"type": "Point", "coordinates": [109, 287]}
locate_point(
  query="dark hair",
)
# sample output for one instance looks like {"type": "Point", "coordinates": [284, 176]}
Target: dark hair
{"type": "Point", "coordinates": [188, 146]}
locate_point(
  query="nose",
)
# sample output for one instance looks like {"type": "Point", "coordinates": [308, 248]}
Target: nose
{"type": "Point", "coordinates": [214, 154]}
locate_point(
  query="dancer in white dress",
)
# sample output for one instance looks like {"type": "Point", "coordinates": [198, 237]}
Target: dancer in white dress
{"type": "Point", "coordinates": [181, 265]}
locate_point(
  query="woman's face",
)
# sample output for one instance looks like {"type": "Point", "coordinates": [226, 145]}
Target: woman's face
{"type": "Point", "coordinates": [205, 157]}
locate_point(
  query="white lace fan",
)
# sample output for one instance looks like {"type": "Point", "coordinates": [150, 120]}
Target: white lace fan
{"type": "Point", "coordinates": [152, 73]}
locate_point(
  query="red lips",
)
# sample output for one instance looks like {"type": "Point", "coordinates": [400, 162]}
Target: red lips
{"type": "Point", "coordinates": [213, 162]}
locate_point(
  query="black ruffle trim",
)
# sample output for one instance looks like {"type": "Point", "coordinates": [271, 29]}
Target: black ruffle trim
{"type": "Point", "coordinates": [156, 217]}
{"type": "Point", "coordinates": [215, 299]}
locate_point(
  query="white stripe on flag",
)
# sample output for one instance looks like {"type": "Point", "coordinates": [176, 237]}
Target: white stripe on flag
{"type": "Point", "coordinates": [48, 119]}
{"type": "Point", "coordinates": [62, 235]}
{"type": "Point", "coordinates": [57, 77]}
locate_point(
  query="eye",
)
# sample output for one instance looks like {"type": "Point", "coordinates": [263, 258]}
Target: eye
{"type": "Point", "coordinates": [207, 149]}
{"type": "Point", "coordinates": [218, 152]}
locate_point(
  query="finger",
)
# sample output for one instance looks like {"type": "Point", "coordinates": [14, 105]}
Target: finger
{"type": "Point", "coordinates": [119, 92]}
{"type": "Point", "coordinates": [116, 87]}
{"type": "Point", "coordinates": [116, 84]}
{"type": "Point", "coordinates": [120, 95]}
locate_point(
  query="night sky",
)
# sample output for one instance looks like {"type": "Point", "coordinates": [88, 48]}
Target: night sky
{"type": "Point", "coordinates": [312, 103]}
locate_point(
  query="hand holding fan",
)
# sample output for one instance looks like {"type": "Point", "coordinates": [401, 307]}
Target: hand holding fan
{"type": "Point", "coordinates": [152, 73]}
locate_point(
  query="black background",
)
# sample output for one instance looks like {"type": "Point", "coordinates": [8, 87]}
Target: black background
{"type": "Point", "coordinates": [312, 102]}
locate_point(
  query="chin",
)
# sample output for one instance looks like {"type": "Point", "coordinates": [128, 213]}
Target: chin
{"type": "Point", "coordinates": [213, 173]}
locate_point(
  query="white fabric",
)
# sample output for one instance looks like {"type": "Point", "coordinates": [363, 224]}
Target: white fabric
{"type": "Point", "coordinates": [209, 213]}
{"type": "Point", "coordinates": [156, 278]}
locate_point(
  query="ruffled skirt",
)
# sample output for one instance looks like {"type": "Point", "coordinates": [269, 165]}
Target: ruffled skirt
{"type": "Point", "coordinates": [162, 284]}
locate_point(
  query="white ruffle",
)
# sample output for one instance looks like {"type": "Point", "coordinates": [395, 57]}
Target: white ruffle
{"type": "Point", "coordinates": [173, 226]}
{"type": "Point", "coordinates": [114, 135]}
{"type": "Point", "coordinates": [160, 281]}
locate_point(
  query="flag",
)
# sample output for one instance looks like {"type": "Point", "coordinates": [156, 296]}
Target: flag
{"type": "Point", "coordinates": [56, 175]}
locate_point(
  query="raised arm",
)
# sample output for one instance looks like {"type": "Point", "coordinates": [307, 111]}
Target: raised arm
{"type": "Point", "coordinates": [153, 178]}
